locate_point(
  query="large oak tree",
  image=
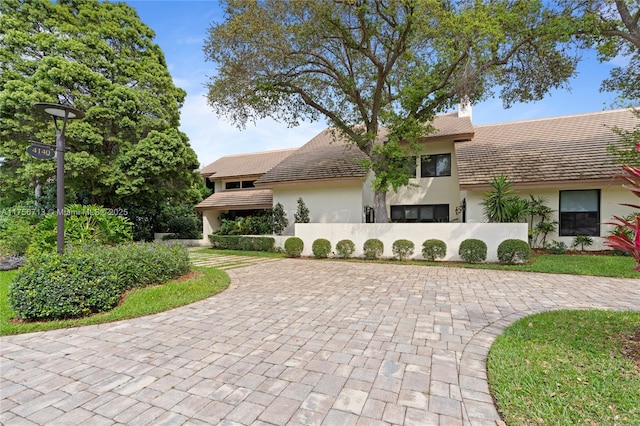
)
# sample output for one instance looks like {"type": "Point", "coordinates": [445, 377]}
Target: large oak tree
{"type": "Point", "coordinates": [367, 64]}
{"type": "Point", "coordinates": [99, 57]}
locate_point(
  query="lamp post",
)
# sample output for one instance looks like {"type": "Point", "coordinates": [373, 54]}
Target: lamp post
{"type": "Point", "coordinates": [65, 112]}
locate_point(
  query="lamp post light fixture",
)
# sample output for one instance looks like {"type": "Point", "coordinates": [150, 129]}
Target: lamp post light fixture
{"type": "Point", "coordinates": [65, 112]}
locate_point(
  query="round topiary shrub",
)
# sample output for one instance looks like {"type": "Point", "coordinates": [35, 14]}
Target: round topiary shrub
{"type": "Point", "coordinates": [321, 248]}
{"type": "Point", "coordinates": [434, 249]}
{"type": "Point", "coordinates": [514, 251]}
{"type": "Point", "coordinates": [473, 251]}
{"type": "Point", "coordinates": [403, 249]}
{"type": "Point", "coordinates": [373, 248]}
{"type": "Point", "coordinates": [345, 248]}
{"type": "Point", "coordinates": [293, 247]}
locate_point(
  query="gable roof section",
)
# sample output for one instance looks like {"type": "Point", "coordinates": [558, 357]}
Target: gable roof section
{"type": "Point", "coordinates": [323, 157]}
{"type": "Point", "coordinates": [569, 148]}
{"type": "Point", "coordinates": [245, 199]}
{"type": "Point", "coordinates": [245, 164]}
{"type": "Point", "coordinates": [450, 125]}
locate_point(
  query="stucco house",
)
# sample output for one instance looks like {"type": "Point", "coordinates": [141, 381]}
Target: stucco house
{"type": "Point", "coordinates": [563, 159]}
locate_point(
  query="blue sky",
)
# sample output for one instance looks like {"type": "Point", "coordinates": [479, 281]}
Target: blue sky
{"type": "Point", "coordinates": [181, 28]}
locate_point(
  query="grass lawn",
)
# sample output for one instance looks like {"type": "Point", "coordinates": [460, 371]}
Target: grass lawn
{"type": "Point", "coordinates": [568, 368]}
{"type": "Point", "coordinates": [139, 302]}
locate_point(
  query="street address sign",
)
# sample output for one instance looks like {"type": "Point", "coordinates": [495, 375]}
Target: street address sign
{"type": "Point", "coordinates": [41, 151]}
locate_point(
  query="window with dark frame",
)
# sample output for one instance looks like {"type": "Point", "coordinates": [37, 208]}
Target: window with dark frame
{"type": "Point", "coordinates": [579, 213]}
{"type": "Point", "coordinates": [423, 213]}
{"type": "Point", "coordinates": [232, 185]}
{"type": "Point", "coordinates": [248, 183]}
{"type": "Point", "coordinates": [435, 165]}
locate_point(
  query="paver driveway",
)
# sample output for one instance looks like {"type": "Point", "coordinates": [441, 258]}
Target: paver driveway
{"type": "Point", "coordinates": [295, 342]}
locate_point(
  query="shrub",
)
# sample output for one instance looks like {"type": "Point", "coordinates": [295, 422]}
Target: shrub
{"type": "Point", "coordinates": [556, 247]}
{"type": "Point", "coordinates": [91, 279]}
{"type": "Point", "coordinates": [180, 220]}
{"type": "Point", "coordinates": [51, 286]}
{"type": "Point", "coordinates": [373, 248]}
{"type": "Point", "coordinates": [514, 251]}
{"type": "Point", "coordinates": [403, 249]}
{"type": "Point", "coordinates": [293, 247]}
{"type": "Point", "coordinates": [247, 243]}
{"type": "Point", "coordinates": [582, 241]}
{"type": "Point", "coordinates": [16, 234]}
{"type": "Point", "coordinates": [302, 214]}
{"type": "Point", "coordinates": [321, 248]}
{"type": "Point", "coordinates": [473, 251]}
{"type": "Point", "coordinates": [82, 225]}
{"type": "Point", "coordinates": [280, 221]}
{"type": "Point", "coordinates": [434, 249]}
{"type": "Point", "coordinates": [345, 248]}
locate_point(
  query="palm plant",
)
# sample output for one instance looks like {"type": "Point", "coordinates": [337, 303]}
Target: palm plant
{"type": "Point", "coordinates": [501, 204]}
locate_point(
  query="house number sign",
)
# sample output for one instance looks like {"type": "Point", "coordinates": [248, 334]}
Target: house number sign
{"type": "Point", "coordinates": [41, 151]}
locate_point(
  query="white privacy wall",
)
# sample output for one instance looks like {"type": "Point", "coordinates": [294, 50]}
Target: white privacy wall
{"type": "Point", "coordinates": [451, 233]}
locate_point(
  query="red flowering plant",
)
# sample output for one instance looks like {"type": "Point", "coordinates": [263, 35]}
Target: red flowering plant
{"type": "Point", "coordinates": [628, 242]}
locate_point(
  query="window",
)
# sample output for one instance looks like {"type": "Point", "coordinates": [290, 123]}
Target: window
{"type": "Point", "coordinates": [232, 185]}
{"type": "Point", "coordinates": [420, 213]}
{"type": "Point", "coordinates": [410, 166]}
{"type": "Point", "coordinates": [248, 183]}
{"type": "Point", "coordinates": [580, 213]}
{"type": "Point", "coordinates": [435, 165]}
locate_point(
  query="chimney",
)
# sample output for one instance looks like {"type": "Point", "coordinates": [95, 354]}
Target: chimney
{"type": "Point", "coordinates": [464, 108]}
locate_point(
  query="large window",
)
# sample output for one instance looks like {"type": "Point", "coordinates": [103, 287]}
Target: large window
{"type": "Point", "coordinates": [435, 165]}
{"type": "Point", "coordinates": [580, 213]}
{"type": "Point", "coordinates": [420, 213]}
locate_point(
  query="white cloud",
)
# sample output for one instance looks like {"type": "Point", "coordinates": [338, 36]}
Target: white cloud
{"type": "Point", "coordinates": [212, 137]}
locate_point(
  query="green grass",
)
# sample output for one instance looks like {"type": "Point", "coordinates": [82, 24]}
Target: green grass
{"type": "Point", "coordinates": [137, 303]}
{"type": "Point", "coordinates": [568, 367]}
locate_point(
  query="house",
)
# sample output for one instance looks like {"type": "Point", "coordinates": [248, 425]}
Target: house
{"type": "Point", "coordinates": [563, 159]}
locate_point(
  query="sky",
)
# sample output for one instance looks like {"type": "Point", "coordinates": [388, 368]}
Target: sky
{"type": "Point", "coordinates": [181, 28]}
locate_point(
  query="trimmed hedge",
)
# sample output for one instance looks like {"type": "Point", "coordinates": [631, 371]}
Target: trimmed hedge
{"type": "Point", "coordinates": [91, 279]}
{"type": "Point", "coordinates": [473, 251]}
{"type": "Point", "coordinates": [321, 248]}
{"type": "Point", "coordinates": [345, 248]}
{"type": "Point", "coordinates": [293, 247]}
{"type": "Point", "coordinates": [246, 243]}
{"type": "Point", "coordinates": [514, 251]}
{"type": "Point", "coordinates": [434, 249]}
{"type": "Point", "coordinates": [373, 248]}
{"type": "Point", "coordinates": [403, 249]}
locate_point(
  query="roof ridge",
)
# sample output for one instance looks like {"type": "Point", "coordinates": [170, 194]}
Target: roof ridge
{"type": "Point", "coordinates": [260, 152]}
{"type": "Point", "coordinates": [557, 117]}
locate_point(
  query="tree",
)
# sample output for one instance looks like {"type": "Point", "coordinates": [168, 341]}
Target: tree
{"type": "Point", "coordinates": [127, 152]}
{"type": "Point", "coordinates": [302, 214]}
{"type": "Point", "coordinates": [280, 221]}
{"type": "Point", "coordinates": [612, 27]}
{"type": "Point", "coordinates": [365, 64]}
{"type": "Point", "coordinates": [502, 204]}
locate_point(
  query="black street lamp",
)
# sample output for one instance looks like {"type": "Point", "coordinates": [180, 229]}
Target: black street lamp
{"type": "Point", "coordinates": [65, 112]}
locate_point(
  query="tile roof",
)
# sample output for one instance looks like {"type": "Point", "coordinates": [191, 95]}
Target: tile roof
{"type": "Point", "coordinates": [551, 149]}
{"type": "Point", "coordinates": [244, 199]}
{"type": "Point", "coordinates": [245, 164]}
{"type": "Point", "coordinates": [327, 156]}
{"type": "Point", "coordinates": [323, 157]}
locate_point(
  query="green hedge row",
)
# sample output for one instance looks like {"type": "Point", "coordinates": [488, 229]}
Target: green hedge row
{"type": "Point", "coordinates": [91, 279]}
{"type": "Point", "coordinates": [236, 242]}
{"type": "Point", "coordinates": [470, 250]}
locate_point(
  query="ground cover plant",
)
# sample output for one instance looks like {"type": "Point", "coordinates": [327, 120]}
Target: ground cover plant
{"type": "Point", "coordinates": [568, 367]}
{"type": "Point", "coordinates": [200, 284]}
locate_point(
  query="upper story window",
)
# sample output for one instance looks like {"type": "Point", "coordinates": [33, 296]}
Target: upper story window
{"type": "Point", "coordinates": [580, 213]}
{"type": "Point", "coordinates": [435, 165]}
{"type": "Point", "coordinates": [240, 184]}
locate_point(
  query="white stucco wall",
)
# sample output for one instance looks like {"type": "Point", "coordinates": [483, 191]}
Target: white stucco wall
{"type": "Point", "coordinates": [210, 221]}
{"type": "Point", "coordinates": [339, 202]}
{"type": "Point", "coordinates": [611, 196]}
{"type": "Point", "coordinates": [434, 190]}
{"type": "Point", "coordinates": [451, 233]}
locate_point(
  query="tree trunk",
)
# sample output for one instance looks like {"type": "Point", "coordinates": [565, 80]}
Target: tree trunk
{"type": "Point", "coordinates": [380, 206]}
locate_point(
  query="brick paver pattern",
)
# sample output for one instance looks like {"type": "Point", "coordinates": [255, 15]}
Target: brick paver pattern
{"type": "Point", "coordinates": [295, 342]}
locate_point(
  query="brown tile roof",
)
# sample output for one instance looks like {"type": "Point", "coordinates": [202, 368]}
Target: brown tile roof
{"type": "Point", "coordinates": [244, 199]}
{"type": "Point", "coordinates": [551, 149]}
{"type": "Point", "coordinates": [245, 164]}
{"type": "Point", "coordinates": [323, 157]}
{"type": "Point", "coordinates": [329, 157]}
